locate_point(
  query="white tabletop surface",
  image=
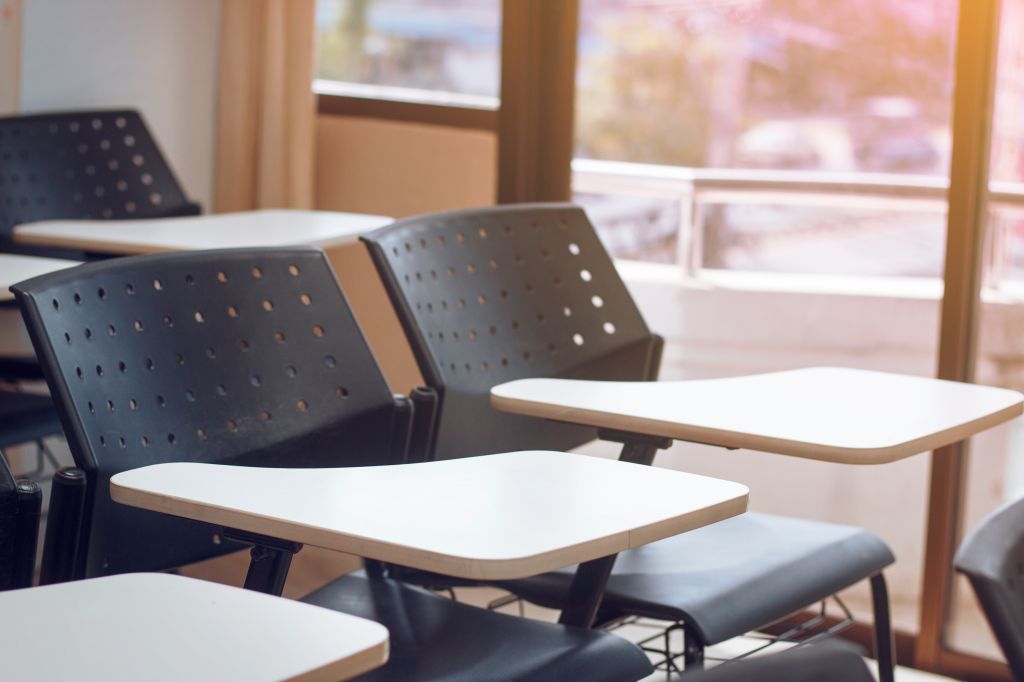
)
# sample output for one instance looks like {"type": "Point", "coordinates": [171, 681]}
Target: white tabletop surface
{"type": "Point", "coordinates": [158, 627]}
{"type": "Point", "coordinates": [15, 268]}
{"type": "Point", "coordinates": [216, 231]}
{"type": "Point", "coordinates": [824, 413]}
{"type": "Point", "coordinates": [494, 517]}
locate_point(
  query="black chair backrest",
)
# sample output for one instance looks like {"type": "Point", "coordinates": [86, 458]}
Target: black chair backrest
{"type": "Point", "coordinates": [833, 661]}
{"type": "Point", "coordinates": [86, 164]}
{"type": "Point", "coordinates": [242, 356]}
{"type": "Point", "coordinates": [20, 506]}
{"type": "Point", "coordinates": [509, 292]}
{"type": "Point", "coordinates": [992, 558]}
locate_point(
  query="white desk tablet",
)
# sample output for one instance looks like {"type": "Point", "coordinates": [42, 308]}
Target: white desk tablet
{"type": "Point", "coordinates": [217, 231]}
{"type": "Point", "coordinates": [15, 268]}
{"type": "Point", "coordinates": [825, 413]}
{"type": "Point", "coordinates": [489, 518]}
{"type": "Point", "coordinates": [158, 627]}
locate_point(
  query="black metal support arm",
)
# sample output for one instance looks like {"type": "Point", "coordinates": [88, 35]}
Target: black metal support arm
{"type": "Point", "coordinates": [270, 559]}
{"type": "Point", "coordinates": [637, 448]}
{"type": "Point", "coordinates": [586, 592]}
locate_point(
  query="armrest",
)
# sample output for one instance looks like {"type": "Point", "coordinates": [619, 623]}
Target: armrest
{"type": "Point", "coordinates": [824, 413]}
{"type": "Point", "coordinates": [62, 560]}
{"type": "Point", "coordinates": [484, 518]}
{"type": "Point", "coordinates": [26, 533]}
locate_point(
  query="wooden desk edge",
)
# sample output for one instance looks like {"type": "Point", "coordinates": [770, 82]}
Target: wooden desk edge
{"type": "Point", "coordinates": [352, 666]}
{"type": "Point", "coordinates": [24, 234]}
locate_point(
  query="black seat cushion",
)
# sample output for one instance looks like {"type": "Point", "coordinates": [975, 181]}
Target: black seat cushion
{"type": "Point", "coordinates": [436, 639]}
{"type": "Point", "coordinates": [831, 660]}
{"type": "Point", "coordinates": [731, 577]}
{"type": "Point", "coordinates": [25, 417]}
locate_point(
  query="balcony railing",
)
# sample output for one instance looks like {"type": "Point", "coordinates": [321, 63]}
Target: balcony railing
{"type": "Point", "coordinates": [696, 218]}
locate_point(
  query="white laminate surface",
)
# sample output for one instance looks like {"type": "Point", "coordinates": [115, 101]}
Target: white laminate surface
{"type": "Point", "coordinates": [825, 413]}
{"type": "Point", "coordinates": [165, 628]}
{"type": "Point", "coordinates": [15, 268]}
{"type": "Point", "coordinates": [494, 517]}
{"type": "Point", "coordinates": [216, 231]}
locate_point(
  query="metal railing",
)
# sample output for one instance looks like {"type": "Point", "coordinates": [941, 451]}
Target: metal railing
{"type": "Point", "coordinates": [695, 189]}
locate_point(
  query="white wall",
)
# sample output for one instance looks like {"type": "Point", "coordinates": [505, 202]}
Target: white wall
{"type": "Point", "coordinates": [159, 56]}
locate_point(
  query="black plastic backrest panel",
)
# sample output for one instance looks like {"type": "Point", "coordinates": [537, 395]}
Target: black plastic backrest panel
{"type": "Point", "coordinates": [245, 357]}
{"type": "Point", "coordinates": [992, 557]}
{"type": "Point", "coordinates": [89, 164]}
{"type": "Point", "coordinates": [8, 526]}
{"type": "Point", "coordinates": [495, 294]}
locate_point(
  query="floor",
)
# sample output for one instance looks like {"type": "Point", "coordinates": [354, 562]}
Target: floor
{"type": "Point", "coordinates": [482, 596]}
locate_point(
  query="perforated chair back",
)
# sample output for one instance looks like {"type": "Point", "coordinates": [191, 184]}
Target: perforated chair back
{"type": "Point", "coordinates": [78, 165]}
{"type": "Point", "coordinates": [495, 294]}
{"type": "Point", "coordinates": [242, 356]}
{"type": "Point", "coordinates": [992, 558]}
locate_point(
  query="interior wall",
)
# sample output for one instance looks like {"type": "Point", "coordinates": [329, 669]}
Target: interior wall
{"type": "Point", "coordinates": [399, 169]}
{"type": "Point", "coordinates": [159, 56]}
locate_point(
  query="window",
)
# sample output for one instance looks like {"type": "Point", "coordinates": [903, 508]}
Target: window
{"type": "Point", "coordinates": [412, 50]}
{"type": "Point", "coordinates": [817, 135]}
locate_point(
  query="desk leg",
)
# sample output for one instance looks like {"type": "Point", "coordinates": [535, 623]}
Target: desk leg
{"type": "Point", "coordinates": [270, 559]}
{"type": "Point", "coordinates": [637, 448]}
{"type": "Point", "coordinates": [586, 592]}
{"type": "Point", "coordinates": [268, 570]}
{"type": "Point", "coordinates": [587, 589]}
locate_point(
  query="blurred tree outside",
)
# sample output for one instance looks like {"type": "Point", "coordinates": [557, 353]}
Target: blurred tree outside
{"type": "Point", "coordinates": [677, 82]}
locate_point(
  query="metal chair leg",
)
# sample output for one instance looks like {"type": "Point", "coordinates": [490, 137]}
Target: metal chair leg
{"type": "Point", "coordinates": [884, 643]}
{"type": "Point", "coordinates": [693, 650]}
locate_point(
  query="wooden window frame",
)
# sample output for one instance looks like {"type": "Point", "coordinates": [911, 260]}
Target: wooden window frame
{"type": "Point", "coordinates": [468, 118]}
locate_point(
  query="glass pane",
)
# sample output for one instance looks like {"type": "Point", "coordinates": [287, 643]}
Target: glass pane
{"type": "Point", "coordinates": [765, 89]}
{"type": "Point", "coordinates": [772, 84]}
{"type": "Point", "coordinates": [1008, 122]}
{"type": "Point", "coordinates": [432, 45]}
{"type": "Point", "coordinates": [825, 239]}
{"type": "Point", "coordinates": [802, 150]}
